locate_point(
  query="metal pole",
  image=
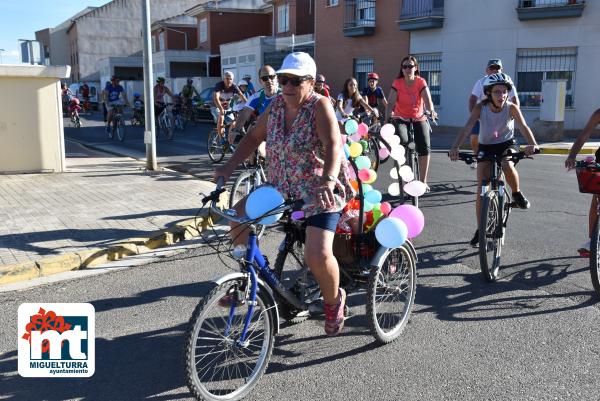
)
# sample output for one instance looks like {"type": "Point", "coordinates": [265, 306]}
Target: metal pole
{"type": "Point", "coordinates": [1, 50]}
{"type": "Point", "coordinates": [149, 132]}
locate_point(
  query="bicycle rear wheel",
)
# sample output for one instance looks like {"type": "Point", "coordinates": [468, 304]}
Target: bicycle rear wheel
{"type": "Point", "coordinates": [168, 128]}
{"type": "Point", "coordinates": [215, 146]}
{"type": "Point", "coordinates": [391, 294]}
{"type": "Point", "coordinates": [218, 365]}
{"type": "Point", "coordinates": [490, 236]}
{"type": "Point", "coordinates": [594, 258]}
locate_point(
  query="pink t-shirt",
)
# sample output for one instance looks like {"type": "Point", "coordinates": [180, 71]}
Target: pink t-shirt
{"type": "Point", "coordinates": [409, 103]}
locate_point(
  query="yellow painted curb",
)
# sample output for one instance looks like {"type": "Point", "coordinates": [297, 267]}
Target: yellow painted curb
{"type": "Point", "coordinates": [58, 264]}
{"type": "Point", "coordinates": [90, 258]}
{"type": "Point", "coordinates": [18, 272]}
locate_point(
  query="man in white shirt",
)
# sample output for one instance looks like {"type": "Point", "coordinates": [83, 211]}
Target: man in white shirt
{"type": "Point", "coordinates": [494, 66]}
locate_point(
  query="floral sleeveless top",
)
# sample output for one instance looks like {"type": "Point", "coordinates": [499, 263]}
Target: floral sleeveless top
{"type": "Point", "coordinates": [295, 158]}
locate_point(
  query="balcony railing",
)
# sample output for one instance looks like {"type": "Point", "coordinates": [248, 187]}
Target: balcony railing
{"type": "Point", "coordinates": [359, 18]}
{"type": "Point", "coordinates": [421, 14]}
{"type": "Point", "coordinates": [543, 9]}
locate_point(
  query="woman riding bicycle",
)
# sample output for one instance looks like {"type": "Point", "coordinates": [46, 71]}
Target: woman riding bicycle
{"type": "Point", "coordinates": [304, 160]}
{"type": "Point", "coordinates": [592, 123]}
{"type": "Point", "coordinates": [408, 98]}
{"type": "Point", "coordinates": [496, 115]}
{"type": "Point", "coordinates": [349, 100]}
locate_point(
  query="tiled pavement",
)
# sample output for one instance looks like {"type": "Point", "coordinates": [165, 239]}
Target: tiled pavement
{"type": "Point", "coordinates": [99, 201]}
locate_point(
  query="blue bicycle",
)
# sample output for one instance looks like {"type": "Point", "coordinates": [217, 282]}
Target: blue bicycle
{"type": "Point", "coordinates": [232, 330]}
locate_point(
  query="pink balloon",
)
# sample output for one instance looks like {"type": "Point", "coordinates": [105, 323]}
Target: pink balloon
{"type": "Point", "coordinates": [412, 217]}
{"type": "Point", "coordinates": [344, 139]}
{"type": "Point", "coordinates": [356, 137]}
{"type": "Point", "coordinates": [364, 174]}
{"type": "Point", "coordinates": [384, 153]}
{"type": "Point", "coordinates": [385, 208]}
{"type": "Point", "coordinates": [362, 129]}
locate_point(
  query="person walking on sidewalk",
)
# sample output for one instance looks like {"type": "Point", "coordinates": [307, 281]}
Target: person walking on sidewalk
{"type": "Point", "coordinates": [497, 116]}
{"type": "Point", "coordinates": [494, 66]}
{"type": "Point", "coordinates": [303, 137]}
{"type": "Point", "coordinates": [582, 138]}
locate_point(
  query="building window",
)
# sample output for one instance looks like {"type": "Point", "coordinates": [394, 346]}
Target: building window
{"type": "Point", "coordinates": [430, 68]}
{"type": "Point", "coordinates": [332, 3]}
{"type": "Point", "coordinates": [203, 30]}
{"type": "Point", "coordinates": [362, 66]}
{"type": "Point", "coordinates": [359, 13]}
{"type": "Point", "coordinates": [536, 65]}
{"type": "Point", "coordinates": [283, 18]}
{"type": "Point", "coordinates": [161, 41]}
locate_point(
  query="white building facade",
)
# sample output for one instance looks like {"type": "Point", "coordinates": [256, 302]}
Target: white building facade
{"type": "Point", "coordinates": [536, 40]}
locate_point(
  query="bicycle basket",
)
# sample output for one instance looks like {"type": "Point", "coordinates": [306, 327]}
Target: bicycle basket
{"type": "Point", "coordinates": [588, 178]}
{"type": "Point", "coordinates": [355, 251]}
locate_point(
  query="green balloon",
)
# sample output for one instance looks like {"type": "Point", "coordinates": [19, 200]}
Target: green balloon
{"type": "Point", "coordinates": [365, 145]}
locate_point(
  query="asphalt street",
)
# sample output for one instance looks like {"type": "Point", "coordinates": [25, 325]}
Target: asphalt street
{"type": "Point", "coordinates": [531, 336]}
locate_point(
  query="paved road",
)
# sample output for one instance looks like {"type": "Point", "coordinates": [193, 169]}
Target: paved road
{"type": "Point", "coordinates": [531, 336]}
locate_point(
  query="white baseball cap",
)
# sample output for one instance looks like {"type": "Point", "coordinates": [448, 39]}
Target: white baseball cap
{"type": "Point", "coordinates": [298, 63]}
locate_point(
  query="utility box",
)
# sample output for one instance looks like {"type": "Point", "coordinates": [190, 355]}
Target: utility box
{"type": "Point", "coordinates": [554, 92]}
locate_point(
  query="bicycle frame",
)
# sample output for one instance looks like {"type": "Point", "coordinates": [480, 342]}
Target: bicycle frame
{"type": "Point", "coordinates": [496, 183]}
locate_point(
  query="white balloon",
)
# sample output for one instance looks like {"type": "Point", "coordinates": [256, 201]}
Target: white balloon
{"type": "Point", "coordinates": [415, 188]}
{"type": "Point", "coordinates": [401, 160]}
{"type": "Point", "coordinates": [394, 173]}
{"type": "Point", "coordinates": [408, 177]}
{"type": "Point", "coordinates": [394, 189]}
{"type": "Point", "coordinates": [396, 153]}
{"type": "Point", "coordinates": [387, 130]}
{"type": "Point", "coordinates": [394, 140]}
{"type": "Point", "coordinates": [406, 173]}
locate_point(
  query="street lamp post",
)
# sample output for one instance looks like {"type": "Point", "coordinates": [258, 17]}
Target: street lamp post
{"type": "Point", "coordinates": [149, 132]}
{"type": "Point", "coordinates": [1, 50]}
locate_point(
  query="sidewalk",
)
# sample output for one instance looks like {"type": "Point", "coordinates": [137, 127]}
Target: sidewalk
{"type": "Point", "coordinates": [103, 208]}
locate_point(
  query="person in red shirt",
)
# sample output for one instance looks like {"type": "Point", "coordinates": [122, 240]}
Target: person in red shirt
{"type": "Point", "coordinates": [408, 99]}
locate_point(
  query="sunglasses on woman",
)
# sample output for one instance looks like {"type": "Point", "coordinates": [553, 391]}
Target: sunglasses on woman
{"type": "Point", "coordinates": [295, 81]}
{"type": "Point", "coordinates": [408, 66]}
{"type": "Point", "coordinates": [265, 78]}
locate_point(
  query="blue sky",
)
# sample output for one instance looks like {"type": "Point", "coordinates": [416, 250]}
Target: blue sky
{"type": "Point", "coordinates": [19, 19]}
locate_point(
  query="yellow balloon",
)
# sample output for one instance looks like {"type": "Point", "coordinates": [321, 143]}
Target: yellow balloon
{"type": "Point", "coordinates": [355, 149]}
{"type": "Point", "coordinates": [372, 177]}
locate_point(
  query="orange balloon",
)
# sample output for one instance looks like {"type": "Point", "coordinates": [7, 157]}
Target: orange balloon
{"type": "Point", "coordinates": [354, 184]}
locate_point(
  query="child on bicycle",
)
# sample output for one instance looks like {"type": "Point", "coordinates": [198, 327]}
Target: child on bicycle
{"type": "Point", "coordinates": [496, 115]}
{"type": "Point", "coordinates": [582, 138]}
{"type": "Point", "coordinates": [373, 92]}
{"type": "Point", "coordinates": [349, 100]}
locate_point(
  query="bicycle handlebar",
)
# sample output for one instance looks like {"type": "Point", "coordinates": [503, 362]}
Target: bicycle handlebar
{"type": "Point", "coordinates": [469, 157]}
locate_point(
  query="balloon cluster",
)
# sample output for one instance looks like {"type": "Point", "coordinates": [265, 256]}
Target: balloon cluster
{"type": "Point", "coordinates": [392, 226]}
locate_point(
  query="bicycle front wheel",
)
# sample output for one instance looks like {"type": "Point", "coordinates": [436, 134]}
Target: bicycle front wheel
{"type": "Point", "coordinates": [594, 258]}
{"type": "Point", "coordinates": [391, 294]}
{"type": "Point", "coordinates": [219, 365]}
{"type": "Point", "coordinates": [245, 183]}
{"type": "Point", "coordinates": [373, 153]}
{"type": "Point", "coordinates": [215, 146]}
{"type": "Point", "coordinates": [490, 236]}
{"type": "Point", "coordinates": [120, 129]}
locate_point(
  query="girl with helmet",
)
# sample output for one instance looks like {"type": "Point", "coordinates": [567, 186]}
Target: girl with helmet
{"type": "Point", "coordinates": [496, 115]}
{"type": "Point", "coordinates": [373, 93]}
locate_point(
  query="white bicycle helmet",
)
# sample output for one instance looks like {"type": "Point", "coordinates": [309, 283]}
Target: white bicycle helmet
{"type": "Point", "coordinates": [497, 79]}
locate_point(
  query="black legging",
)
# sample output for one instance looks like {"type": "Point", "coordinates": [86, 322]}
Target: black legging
{"type": "Point", "coordinates": [421, 135]}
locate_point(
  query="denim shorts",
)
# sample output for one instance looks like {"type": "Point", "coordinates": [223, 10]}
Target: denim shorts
{"type": "Point", "coordinates": [324, 221]}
